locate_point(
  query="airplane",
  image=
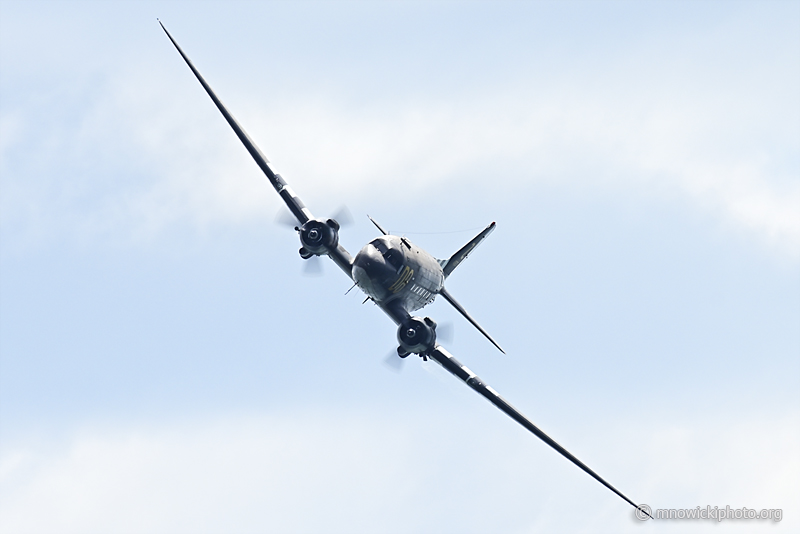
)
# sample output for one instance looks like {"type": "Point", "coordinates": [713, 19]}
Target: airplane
{"type": "Point", "coordinates": [398, 276]}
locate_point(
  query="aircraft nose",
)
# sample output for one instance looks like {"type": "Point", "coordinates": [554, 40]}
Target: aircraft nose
{"type": "Point", "coordinates": [369, 268]}
{"type": "Point", "coordinates": [370, 261]}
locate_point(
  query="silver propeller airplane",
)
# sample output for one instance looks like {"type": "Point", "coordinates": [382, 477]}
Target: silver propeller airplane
{"type": "Point", "coordinates": [396, 275]}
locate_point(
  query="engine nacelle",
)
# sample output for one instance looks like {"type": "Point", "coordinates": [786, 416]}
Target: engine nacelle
{"type": "Point", "coordinates": [416, 335]}
{"type": "Point", "coordinates": [317, 236]}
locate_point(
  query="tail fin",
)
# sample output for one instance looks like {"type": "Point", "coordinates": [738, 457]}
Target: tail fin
{"type": "Point", "coordinates": [456, 259]}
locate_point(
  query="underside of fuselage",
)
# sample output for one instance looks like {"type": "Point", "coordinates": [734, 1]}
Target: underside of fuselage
{"type": "Point", "coordinates": [394, 272]}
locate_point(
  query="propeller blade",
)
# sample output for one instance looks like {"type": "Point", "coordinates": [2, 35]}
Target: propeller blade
{"type": "Point", "coordinates": [444, 332]}
{"type": "Point", "coordinates": [284, 218]}
{"type": "Point", "coordinates": [454, 367]}
{"type": "Point", "coordinates": [394, 362]}
{"type": "Point", "coordinates": [343, 216]}
{"type": "Point", "coordinates": [312, 266]}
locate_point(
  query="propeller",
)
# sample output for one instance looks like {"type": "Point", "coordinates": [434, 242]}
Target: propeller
{"type": "Point", "coordinates": [312, 266]}
{"type": "Point", "coordinates": [444, 334]}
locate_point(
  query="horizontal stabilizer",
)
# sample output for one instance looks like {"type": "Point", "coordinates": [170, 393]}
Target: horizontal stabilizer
{"type": "Point", "coordinates": [443, 292]}
{"type": "Point", "coordinates": [462, 254]}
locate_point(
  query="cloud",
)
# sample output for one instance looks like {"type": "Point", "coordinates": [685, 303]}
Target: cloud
{"type": "Point", "coordinates": [705, 113]}
{"type": "Point", "coordinates": [151, 162]}
{"type": "Point", "coordinates": [332, 472]}
{"type": "Point", "coordinates": [241, 475]}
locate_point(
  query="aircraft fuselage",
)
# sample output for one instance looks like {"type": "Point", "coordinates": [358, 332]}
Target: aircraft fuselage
{"type": "Point", "coordinates": [397, 274]}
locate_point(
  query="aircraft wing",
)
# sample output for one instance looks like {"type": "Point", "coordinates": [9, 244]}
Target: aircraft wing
{"type": "Point", "coordinates": [446, 360]}
{"type": "Point", "coordinates": [338, 254]}
{"type": "Point", "coordinates": [294, 204]}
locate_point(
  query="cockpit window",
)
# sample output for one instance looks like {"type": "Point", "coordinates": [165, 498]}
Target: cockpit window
{"type": "Point", "coordinates": [380, 245]}
{"type": "Point", "coordinates": [394, 257]}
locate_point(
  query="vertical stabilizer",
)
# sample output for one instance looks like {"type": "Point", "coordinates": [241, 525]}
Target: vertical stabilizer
{"type": "Point", "coordinates": [456, 259]}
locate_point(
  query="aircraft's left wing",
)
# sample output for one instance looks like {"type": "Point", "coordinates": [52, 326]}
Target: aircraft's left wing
{"type": "Point", "coordinates": [446, 360]}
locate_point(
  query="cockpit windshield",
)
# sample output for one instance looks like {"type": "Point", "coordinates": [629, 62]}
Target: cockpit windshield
{"type": "Point", "coordinates": [393, 256]}
{"type": "Point", "coordinates": [380, 244]}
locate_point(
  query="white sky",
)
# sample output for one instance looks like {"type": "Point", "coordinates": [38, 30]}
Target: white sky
{"type": "Point", "coordinates": [164, 367]}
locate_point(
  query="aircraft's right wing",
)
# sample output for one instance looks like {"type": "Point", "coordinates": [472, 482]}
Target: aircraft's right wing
{"type": "Point", "coordinates": [294, 204]}
{"type": "Point", "coordinates": [337, 253]}
{"type": "Point", "coordinates": [446, 360]}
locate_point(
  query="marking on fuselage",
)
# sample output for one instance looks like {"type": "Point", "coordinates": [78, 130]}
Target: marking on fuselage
{"type": "Point", "coordinates": [421, 291]}
{"type": "Point", "coordinates": [401, 282]}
